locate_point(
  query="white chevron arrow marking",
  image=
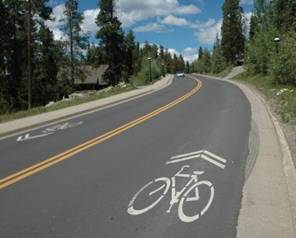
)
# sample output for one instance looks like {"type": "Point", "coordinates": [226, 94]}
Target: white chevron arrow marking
{"type": "Point", "coordinates": [201, 154]}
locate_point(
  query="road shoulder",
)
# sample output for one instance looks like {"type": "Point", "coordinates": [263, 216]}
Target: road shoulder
{"type": "Point", "coordinates": [23, 125]}
{"type": "Point", "coordinates": [268, 206]}
{"type": "Point", "coordinates": [269, 198]}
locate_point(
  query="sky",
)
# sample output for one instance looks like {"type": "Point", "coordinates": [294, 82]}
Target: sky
{"type": "Point", "coordinates": [181, 26]}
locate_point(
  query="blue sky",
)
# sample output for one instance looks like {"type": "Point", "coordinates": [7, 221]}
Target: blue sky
{"type": "Point", "coordinates": [180, 25]}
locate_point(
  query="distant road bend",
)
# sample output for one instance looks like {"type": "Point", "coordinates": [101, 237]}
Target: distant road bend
{"type": "Point", "coordinates": [169, 164]}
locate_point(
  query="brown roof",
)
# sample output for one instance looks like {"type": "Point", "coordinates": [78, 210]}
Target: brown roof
{"type": "Point", "coordinates": [93, 75]}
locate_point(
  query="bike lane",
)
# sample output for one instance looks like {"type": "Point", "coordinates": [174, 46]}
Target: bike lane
{"type": "Point", "coordinates": [89, 195]}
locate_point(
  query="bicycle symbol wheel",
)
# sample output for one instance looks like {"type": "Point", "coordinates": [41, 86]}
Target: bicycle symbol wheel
{"type": "Point", "coordinates": [183, 217]}
{"type": "Point", "coordinates": [164, 186]}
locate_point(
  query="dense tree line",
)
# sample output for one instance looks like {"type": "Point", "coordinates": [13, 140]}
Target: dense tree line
{"type": "Point", "coordinates": [28, 55]}
{"type": "Point", "coordinates": [229, 50]}
{"type": "Point", "coordinates": [269, 48]}
{"type": "Point", "coordinates": [272, 45]}
{"type": "Point", "coordinates": [125, 56]}
{"type": "Point", "coordinates": [36, 69]}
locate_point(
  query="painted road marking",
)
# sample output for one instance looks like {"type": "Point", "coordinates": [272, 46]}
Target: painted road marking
{"type": "Point", "coordinates": [9, 180]}
{"type": "Point", "coordinates": [201, 154]}
{"type": "Point", "coordinates": [188, 154]}
{"type": "Point", "coordinates": [30, 137]}
{"type": "Point", "coordinates": [177, 197]}
{"type": "Point", "coordinates": [182, 196]}
{"type": "Point", "coordinates": [49, 131]}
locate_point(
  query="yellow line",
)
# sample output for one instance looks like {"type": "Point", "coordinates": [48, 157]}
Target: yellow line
{"type": "Point", "coordinates": [11, 179]}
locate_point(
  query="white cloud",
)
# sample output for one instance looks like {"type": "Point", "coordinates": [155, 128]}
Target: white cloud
{"type": "Point", "coordinates": [190, 54]}
{"type": "Point", "coordinates": [89, 25]}
{"type": "Point", "coordinates": [173, 52]}
{"type": "Point", "coordinates": [152, 27]}
{"type": "Point", "coordinates": [131, 11]}
{"type": "Point", "coordinates": [207, 31]}
{"type": "Point", "coordinates": [175, 21]}
{"type": "Point", "coordinates": [198, 24]}
{"type": "Point", "coordinates": [247, 20]}
{"type": "Point", "coordinates": [246, 2]}
{"type": "Point", "coordinates": [187, 10]}
{"type": "Point", "coordinates": [57, 22]}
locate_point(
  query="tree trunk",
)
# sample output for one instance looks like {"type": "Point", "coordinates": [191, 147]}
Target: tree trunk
{"type": "Point", "coordinates": [71, 50]}
{"type": "Point", "coordinates": [29, 45]}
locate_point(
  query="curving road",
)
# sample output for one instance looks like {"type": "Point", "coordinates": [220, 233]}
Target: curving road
{"type": "Point", "coordinates": [97, 187]}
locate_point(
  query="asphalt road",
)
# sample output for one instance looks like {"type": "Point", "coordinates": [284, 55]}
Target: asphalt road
{"type": "Point", "coordinates": [104, 189]}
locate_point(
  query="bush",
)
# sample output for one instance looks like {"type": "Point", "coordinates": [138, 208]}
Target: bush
{"type": "Point", "coordinates": [283, 64]}
{"type": "Point", "coordinates": [260, 51]}
{"type": "Point", "coordinates": [218, 62]}
{"type": "Point", "coordinates": [143, 76]}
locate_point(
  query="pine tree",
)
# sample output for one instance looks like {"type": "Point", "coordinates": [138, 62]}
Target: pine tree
{"type": "Point", "coordinates": [94, 55]}
{"type": "Point", "coordinates": [111, 40]}
{"type": "Point", "coordinates": [263, 14]}
{"type": "Point", "coordinates": [253, 26]}
{"type": "Point", "coordinates": [167, 61]}
{"type": "Point", "coordinates": [137, 58]}
{"type": "Point", "coordinates": [180, 64]}
{"type": "Point", "coordinates": [15, 52]}
{"type": "Point", "coordinates": [174, 66]}
{"type": "Point", "coordinates": [74, 20]}
{"type": "Point", "coordinates": [130, 47]}
{"type": "Point", "coordinates": [284, 14]}
{"type": "Point", "coordinates": [233, 39]}
{"type": "Point", "coordinates": [39, 8]}
{"type": "Point", "coordinates": [4, 19]}
{"type": "Point", "coordinates": [161, 52]}
{"type": "Point", "coordinates": [45, 84]}
{"type": "Point", "coordinates": [217, 59]}
{"type": "Point", "coordinates": [200, 52]}
{"type": "Point", "coordinates": [187, 70]}
{"type": "Point", "coordinates": [154, 50]}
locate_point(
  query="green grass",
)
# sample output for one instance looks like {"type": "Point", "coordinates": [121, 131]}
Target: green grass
{"type": "Point", "coordinates": [65, 104]}
{"type": "Point", "coordinates": [222, 74]}
{"type": "Point", "coordinates": [141, 79]}
{"type": "Point", "coordinates": [282, 97]}
{"type": "Point", "coordinates": [145, 83]}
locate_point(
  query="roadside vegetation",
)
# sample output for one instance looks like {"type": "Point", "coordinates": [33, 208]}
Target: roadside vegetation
{"type": "Point", "coordinates": [73, 100]}
{"type": "Point", "coordinates": [282, 97]}
{"type": "Point", "coordinates": [36, 69]}
{"type": "Point", "coordinates": [223, 73]}
{"type": "Point", "coordinates": [228, 48]}
{"type": "Point", "coordinates": [268, 51]}
{"type": "Point", "coordinates": [270, 55]}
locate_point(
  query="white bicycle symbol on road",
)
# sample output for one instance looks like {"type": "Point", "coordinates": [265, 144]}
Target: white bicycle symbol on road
{"type": "Point", "coordinates": [162, 185]}
{"type": "Point", "coordinates": [177, 196]}
{"type": "Point", "coordinates": [49, 131]}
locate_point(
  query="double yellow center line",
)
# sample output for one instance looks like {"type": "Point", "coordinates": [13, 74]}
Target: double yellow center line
{"type": "Point", "coordinates": [9, 180]}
